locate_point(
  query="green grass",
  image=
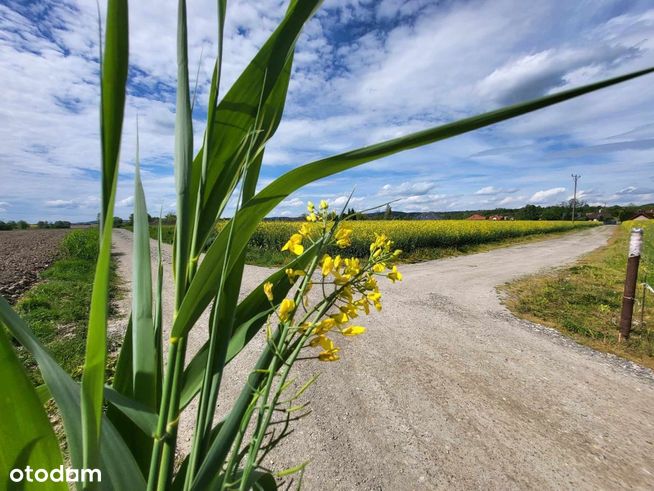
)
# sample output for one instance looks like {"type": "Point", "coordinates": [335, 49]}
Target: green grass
{"type": "Point", "coordinates": [584, 301]}
{"type": "Point", "coordinates": [57, 307]}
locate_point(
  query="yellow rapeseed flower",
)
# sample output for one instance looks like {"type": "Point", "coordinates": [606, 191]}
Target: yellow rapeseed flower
{"type": "Point", "coordinates": [331, 355]}
{"type": "Point", "coordinates": [350, 310]}
{"type": "Point", "coordinates": [325, 325]}
{"type": "Point", "coordinates": [294, 245]}
{"type": "Point", "coordinates": [305, 230]}
{"type": "Point", "coordinates": [327, 265]}
{"type": "Point", "coordinates": [293, 274]}
{"type": "Point", "coordinates": [267, 289]}
{"type": "Point", "coordinates": [363, 304]}
{"type": "Point", "coordinates": [395, 275]}
{"type": "Point", "coordinates": [323, 204]}
{"type": "Point", "coordinates": [352, 266]}
{"type": "Point", "coordinates": [375, 298]}
{"type": "Point", "coordinates": [330, 352]}
{"type": "Point", "coordinates": [340, 318]}
{"type": "Point", "coordinates": [344, 237]}
{"type": "Point", "coordinates": [286, 309]}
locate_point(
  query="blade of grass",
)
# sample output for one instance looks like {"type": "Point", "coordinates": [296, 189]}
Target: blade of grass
{"type": "Point", "coordinates": [164, 448]}
{"type": "Point", "coordinates": [27, 436]}
{"type": "Point", "coordinates": [119, 469]}
{"type": "Point", "coordinates": [114, 78]}
{"type": "Point", "coordinates": [144, 357]}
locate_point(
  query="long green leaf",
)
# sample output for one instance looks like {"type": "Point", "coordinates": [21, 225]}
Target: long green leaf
{"type": "Point", "coordinates": [27, 437]}
{"type": "Point", "coordinates": [183, 158]}
{"type": "Point", "coordinates": [114, 78]}
{"type": "Point", "coordinates": [139, 414]}
{"type": "Point", "coordinates": [144, 356]}
{"type": "Point", "coordinates": [119, 469]}
{"type": "Point", "coordinates": [203, 287]}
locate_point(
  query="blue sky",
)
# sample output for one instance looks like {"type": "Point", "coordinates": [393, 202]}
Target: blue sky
{"type": "Point", "coordinates": [365, 71]}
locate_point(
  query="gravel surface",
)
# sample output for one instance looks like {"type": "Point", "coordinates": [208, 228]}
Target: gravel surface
{"type": "Point", "coordinates": [23, 254]}
{"type": "Point", "coordinates": [447, 390]}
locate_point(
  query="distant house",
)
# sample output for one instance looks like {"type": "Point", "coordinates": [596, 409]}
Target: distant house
{"type": "Point", "coordinates": [476, 216]}
{"type": "Point", "coordinates": [497, 218]}
{"type": "Point", "coordinates": [643, 215]}
{"type": "Point", "coordinates": [598, 216]}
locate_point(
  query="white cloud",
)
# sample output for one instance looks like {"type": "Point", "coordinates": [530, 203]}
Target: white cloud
{"type": "Point", "coordinates": [633, 190]}
{"type": "Point", "coordinates": [546, 195]}
{"type": "Point", "coordinates": [61, 203]}
{"type": "Point", "coordinates": [407, 188]}
{"type": "Point", "coordinates": [492, 190]}
{"type": "Point", "coordinates": [129, 201]}
{"type": "Point", "coordinates": [512, 200]}
{"type": "Point", "coordinates": [534, 75]}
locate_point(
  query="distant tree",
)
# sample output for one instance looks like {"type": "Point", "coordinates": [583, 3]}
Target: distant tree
{"type": "Point", "coordinates": [22, 225]}
{"type": "Point", "coordinates": [169, 219]}
{"type": "Point", "coordinates": [529, 212]}
{"type": "Point", "coordinates": [60, 224]}
{"type": "Point", "coordinates": [388, 213]}
{"type": "Point", "coordinates": [118, 222]}
{"type": "Point", "coordinates": [4, 226]}
{"type": "Point", "coordinates": [354, 215]}
{"type": "Point", "coordinates": [42, 224]}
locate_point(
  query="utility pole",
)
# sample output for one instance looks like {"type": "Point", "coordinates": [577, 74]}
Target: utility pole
{"type": "Point", "coordinates": [575, 177]}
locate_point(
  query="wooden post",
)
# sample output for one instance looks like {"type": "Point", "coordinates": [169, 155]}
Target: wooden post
{"type": "Point", "coordinates": [633, 260]}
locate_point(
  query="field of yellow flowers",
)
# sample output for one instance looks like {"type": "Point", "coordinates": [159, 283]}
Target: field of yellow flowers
{"type": "Point", "coordinates": [413, 235]}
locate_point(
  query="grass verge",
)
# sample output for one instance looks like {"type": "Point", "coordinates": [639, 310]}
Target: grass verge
{"type": "Point", "coordinates": [57, 308]}
{"type": "Point", "coordinates": [584, 301]}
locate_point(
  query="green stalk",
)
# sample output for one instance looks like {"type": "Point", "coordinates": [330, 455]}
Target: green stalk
{"type": "Point", "coordinates": [161, 435]}
{"type": "Point", "coordinates": [262, 420]}
{"type": "Point", "coordinates": [172, 424]}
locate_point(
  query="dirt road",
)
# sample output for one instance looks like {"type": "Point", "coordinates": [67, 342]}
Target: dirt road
{"type": "Point", "coordinates": [447, 390]}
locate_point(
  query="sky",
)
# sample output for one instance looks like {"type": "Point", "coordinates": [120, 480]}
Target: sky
{"type": "Point", "coordinates": [364, 71]}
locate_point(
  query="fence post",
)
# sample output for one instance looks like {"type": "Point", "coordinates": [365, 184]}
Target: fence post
{"type": "Point", "coordinates": [635, 244]}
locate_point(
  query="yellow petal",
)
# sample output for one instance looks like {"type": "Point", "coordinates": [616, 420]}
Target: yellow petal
{"type": "Point", "coordinates": [353, 330]}
{"type": "Point", "coordinates": [286, 309]}
{"type": "Point", "coordinates": [267, 289]}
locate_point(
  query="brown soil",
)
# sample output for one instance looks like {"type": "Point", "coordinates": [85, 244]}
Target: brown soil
{"type": "Point", "coordinates": [23, 255]}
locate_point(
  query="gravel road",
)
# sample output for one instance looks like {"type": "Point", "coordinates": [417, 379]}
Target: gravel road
{"type": "Point", "coordinates": [447, 390]}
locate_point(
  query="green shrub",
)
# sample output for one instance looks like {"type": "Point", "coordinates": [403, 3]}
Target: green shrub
{"type": "Point", "coordinates": [81, 244]}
